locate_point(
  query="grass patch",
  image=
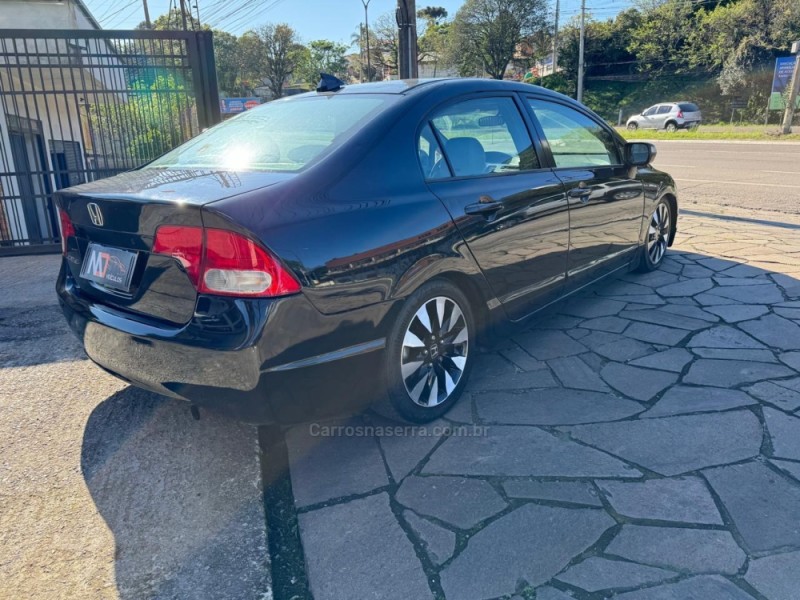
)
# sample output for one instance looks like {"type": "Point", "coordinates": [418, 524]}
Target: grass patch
{"type": "Point", "coordinates": [714, 132]}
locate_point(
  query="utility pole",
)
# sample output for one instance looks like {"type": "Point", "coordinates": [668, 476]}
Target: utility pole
{"type": "Point", "coordinates": [363, 71]}
{"type": "Point", "coordinates": [407, 51]}
{"type": "Point", "coordinates": [197, 8]}
{"type": "Point", "coordinates": [147, 15]}
{"type": "Point", "coordinates": [791, 102]}
{"type": "Point", "coordinates": [366, 29]}
{"type": "Point", "coordinates": [183, 15]}
{"type": "Point", "coordinates": [555, 40]}
{"type": "Point", "coordinates": [581, 50]}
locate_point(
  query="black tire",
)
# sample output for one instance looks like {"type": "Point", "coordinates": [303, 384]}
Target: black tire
{"type": "Point", "coordinates": [656, 238]}
{"type": "Point", "coordinates": [440, 353]}
{"type": "Point", "coordinates": [633, 126]}
{"type": "Point", "coordinates": [671, 127]}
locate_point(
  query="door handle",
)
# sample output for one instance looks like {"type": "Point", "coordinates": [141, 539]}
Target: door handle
{"type": "Point", "coordinates": [581, 192]}
{"type": "Point", "coordinates": [485, 208]}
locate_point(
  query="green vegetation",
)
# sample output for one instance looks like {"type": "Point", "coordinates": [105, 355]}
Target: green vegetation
{"type": "Point", "coordinates": [706, 52]}
{"type": "Point", "coordinates": [712, 132]}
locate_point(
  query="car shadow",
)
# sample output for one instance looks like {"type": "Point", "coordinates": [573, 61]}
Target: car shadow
{"type": "Point", "coordinates": [181, 497]}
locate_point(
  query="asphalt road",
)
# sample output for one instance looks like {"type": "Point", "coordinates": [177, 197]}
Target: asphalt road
{"type": "Point", "coordinates": [753, 176]}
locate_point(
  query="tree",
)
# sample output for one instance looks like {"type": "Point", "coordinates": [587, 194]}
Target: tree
{"type": "Point", "coordinates": [228, 62]}
{"type": "Point", "coordinates": [433, 15]}
{"type": "Point", "coordinates": [359, 64]}
{"type": "Point", "coordinates": [273, 52]}
{"type": "Point", "coordinates": [487, 32]}
{"type": "Point", "coordinates": [322, 56]}
{"type": "Point", "coordinates": [660, 39]}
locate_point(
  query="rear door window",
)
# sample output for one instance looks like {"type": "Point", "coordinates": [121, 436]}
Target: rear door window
{"type": "Point", "coordinates": [663, 110]}
{"type": "Point", "coordinates": [484, 136]}
{"type": "Point", "coordinates": [431, 157]}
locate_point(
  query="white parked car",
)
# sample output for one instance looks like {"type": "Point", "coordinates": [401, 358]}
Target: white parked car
{"type": "Point", "coordinates": [669, 115]}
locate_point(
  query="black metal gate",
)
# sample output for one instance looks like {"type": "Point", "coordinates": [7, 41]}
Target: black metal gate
{"type": "Point", "coordinates": [81, 105]}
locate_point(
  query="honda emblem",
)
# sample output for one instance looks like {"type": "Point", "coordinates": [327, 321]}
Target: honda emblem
{"type": "Point", "coordinates": [95, 214]}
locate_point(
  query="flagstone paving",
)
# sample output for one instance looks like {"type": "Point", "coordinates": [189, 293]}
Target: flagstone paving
{"type": "Point", "coordinates": [642, 442]}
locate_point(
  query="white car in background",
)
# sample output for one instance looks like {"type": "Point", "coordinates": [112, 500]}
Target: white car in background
{"type": "Point", "coordinates": [670, 116]}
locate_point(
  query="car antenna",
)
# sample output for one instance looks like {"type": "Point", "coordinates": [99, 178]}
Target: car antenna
{"type": "Point", "coordinates": [329, 83]}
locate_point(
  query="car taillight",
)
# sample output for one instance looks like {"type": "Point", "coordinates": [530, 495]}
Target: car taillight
{"type": "Point", "coordinates": [67, 229]}
{"type": "Point", "coordinates": [184, 244]}
{"type": "Point", "coordinates": [680, 114]}
{"type": "Point", "coordinates": [225, 263]}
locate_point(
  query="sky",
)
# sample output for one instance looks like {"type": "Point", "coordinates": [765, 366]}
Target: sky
{"type": "Point", "coordinates": [313, 19]}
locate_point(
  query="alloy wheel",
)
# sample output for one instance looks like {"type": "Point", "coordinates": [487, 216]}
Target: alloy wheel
{"type": "Point", "coordinates": [671, 127]}
{"type": "Point", "coordinates": [434, 351]}
{"type": "Point", "coordinates": [658, 233]}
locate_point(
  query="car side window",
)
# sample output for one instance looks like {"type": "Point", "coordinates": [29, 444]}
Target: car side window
{"type": "Point", "coordinates": [431, 158]}
{"type": "Point", "coordinates": [575, 140]}
{"type": "Point", "coordinates": [663, 110]}
{"type": "Point", "coordinates": [482, 137]}
{"type": "Point", "coordinates": [650, 111]}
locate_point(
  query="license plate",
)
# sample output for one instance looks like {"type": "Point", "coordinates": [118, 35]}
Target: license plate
{"type": "Point", "coordinates": [109, 267]}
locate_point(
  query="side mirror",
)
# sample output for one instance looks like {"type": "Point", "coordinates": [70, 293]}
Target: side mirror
{"type": "Point", "coordinates": [639, 154]}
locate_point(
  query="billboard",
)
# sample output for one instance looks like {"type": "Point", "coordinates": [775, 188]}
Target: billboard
{"type": "Point", "coordinates": [781, 80]}
{"type": "Point", "coordinates": [233, 106]}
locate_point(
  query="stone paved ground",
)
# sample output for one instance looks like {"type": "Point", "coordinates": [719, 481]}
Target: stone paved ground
{"type": "Point", "coordinates": [643, 443]}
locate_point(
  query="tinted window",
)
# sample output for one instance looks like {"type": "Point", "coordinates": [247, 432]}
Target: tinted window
{"type": "Point", "coordinates": [431, 158]}
{"type": "Point", "coordinates": [688, 107]}
{"type": "Point", "coordinates": [663, 110]}
{"type": "Point", "coordinates": [650, 111]}
{"type": "Point", "coordinates": [284, 135]}
{"type": "Point", "coordinates": [575, 139]}
{"type": "Point", "coordinates": [485, 136]}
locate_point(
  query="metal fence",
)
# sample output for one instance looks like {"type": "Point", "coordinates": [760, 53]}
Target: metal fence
{"type": "Point", "coordinates": [81, 105]}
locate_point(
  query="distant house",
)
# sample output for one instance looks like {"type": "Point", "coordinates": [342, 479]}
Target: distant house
{"type": "Point", "coordinates": [45, 86]}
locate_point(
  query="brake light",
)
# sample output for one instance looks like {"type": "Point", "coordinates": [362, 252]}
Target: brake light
{"type": "Point", "coordinates": [225, 263]}
{"type": "Point", "coordinates": [67, 229]}
{"type": "Point", "coordinates": [184, 244]}
{"type": "Point", "coordinates": [680, 114]}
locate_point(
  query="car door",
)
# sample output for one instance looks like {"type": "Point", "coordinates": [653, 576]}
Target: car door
{"type": "Point", "coordinates": [511, 210]}
{"type": "Point", "coordinates": [648, 120]}
{"type": "Point", "coordinates": [661, 116]}
{"type": "Point", "coordinates": [606, 201]}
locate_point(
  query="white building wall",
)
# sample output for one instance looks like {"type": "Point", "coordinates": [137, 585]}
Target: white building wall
{"type": "Point", "coordinates": [55, 110]}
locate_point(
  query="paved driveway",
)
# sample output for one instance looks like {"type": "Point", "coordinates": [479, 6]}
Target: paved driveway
{"type": "Point", "coordinates": [107, 491]}
{"type": "Point", "coordinates": [643, 441]}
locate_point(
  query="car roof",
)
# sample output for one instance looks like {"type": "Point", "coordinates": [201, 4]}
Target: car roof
{"type": "Point", "coordinates": [452, 84]}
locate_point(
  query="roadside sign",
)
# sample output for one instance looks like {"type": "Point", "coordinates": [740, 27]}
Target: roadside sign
{"type": "Point", "coordinates": [233, 106]}
{"type": "Point", "coordinates": [781, 80]}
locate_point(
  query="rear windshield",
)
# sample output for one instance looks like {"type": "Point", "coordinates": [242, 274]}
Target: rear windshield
{"type": "Point", "coordinates": [284, 135]}
{"type": "Point", "coordinates": [688, 107]}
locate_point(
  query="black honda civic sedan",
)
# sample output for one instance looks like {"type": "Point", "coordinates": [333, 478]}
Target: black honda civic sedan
{"type": "Point", "coordinates": [352, 244]}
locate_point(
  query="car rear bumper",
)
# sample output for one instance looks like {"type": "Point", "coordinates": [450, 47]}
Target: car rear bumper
{"type": "Point", "coordinates": [257, 360]}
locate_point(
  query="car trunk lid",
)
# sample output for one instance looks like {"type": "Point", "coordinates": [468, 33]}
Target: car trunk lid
{"type": "Point", "coordinates": [115, 222]}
